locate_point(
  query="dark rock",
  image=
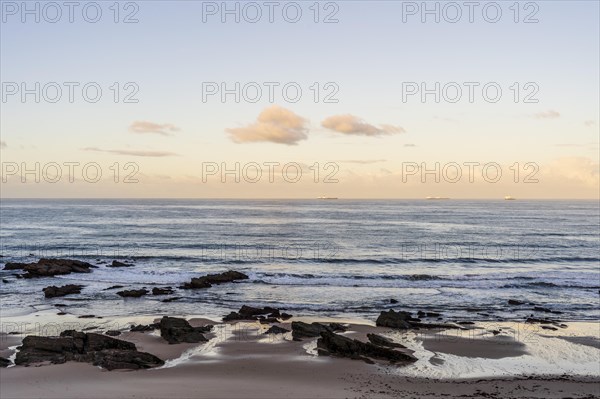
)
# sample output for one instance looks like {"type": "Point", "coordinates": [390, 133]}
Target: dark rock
{"type": "Point", "coordinates": [114, 287]}
{"type": "Point", "coordinates": [15, 266]}
{"type": "Point", "coordinates": [116, 263]}
{"type": "Point", "coordinates": [208, 280]}
{"type": "Point", "coordinates": [267, 320]}
{"type": "Point", "coordinates": [251, 313]}
{"type": "Point", "coordinates": [304, 330]}
{"type": "Point", "coordinates": [86, 316]}
{"type": "Point", "coordinates": [541, 309]}
{"type": "Point", "coordinates": [162, 291]}
{"type": "Point", "coordinates": [394, 319]}
{"type": "Point", "coordinates": [175, 330]}
{"type": "Point", "coordinates": [52, 267]}
{"type": "Point", "coordinates": [276, 330]}
{"type": "Point", "coordinates": [144, 328]}
{"type": "Point", "coordinates": [100, 350]}
{"type": "Point", "coordinates": [465, 323]}
{"type": "Point", "coordinates": [335, 327]}
{"type": "Point", "coordinates": [5, 281]}
{"type": "Point", "coordinates": [113, 333]}
{"type": "Point", "coordinates": [427, 314]}
{"type": "Point", "coordinates": [132, 293]}
{"type": "Point", "coordinates": [383, 341]}
{"type": "Point", "coordinates": [54, 291]}
{"type": "Point", "coordinates": [549, 328]}
{"type": "Point", "coordinates": [514, 302]}
{"type": "Point", "coordinates": [61, 314]}
{"type": "Point", "coordinates": [404, 321]}
{"type": "Point", "coordinates": [331, 344]}
{"type": "Point", "coordinates": [286, 316]}
{"type": "Point", "coordinates": [4, 362]}
{"type": "Point", "coordinates": [175, 298]}
{"type": "Point", "coordinates": [393, 300]}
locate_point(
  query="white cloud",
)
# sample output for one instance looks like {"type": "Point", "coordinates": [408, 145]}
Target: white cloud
{"type": "Point", "coordinates": [352, 125]}
{"type": "Point", "coordinates": [274, 124]}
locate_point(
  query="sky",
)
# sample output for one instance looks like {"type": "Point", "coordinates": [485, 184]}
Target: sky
{"type": "Point", "coordinates": [360, 126]}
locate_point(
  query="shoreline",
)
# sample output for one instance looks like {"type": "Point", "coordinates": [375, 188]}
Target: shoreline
{"type": "Point", "coordinates": [240, 361]}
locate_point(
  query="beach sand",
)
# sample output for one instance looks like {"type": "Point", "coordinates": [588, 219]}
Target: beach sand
{"type": "Point", "coordinates": [240, 362]}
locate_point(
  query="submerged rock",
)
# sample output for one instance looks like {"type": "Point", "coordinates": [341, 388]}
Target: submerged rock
{"type": "Point", "coordinates": [52, 267]}
{"type": "Point", "coordinates": [331, 344]}
{"type": "Point", "coordinates": [54, 291]}
{"type": "Point", "coordinates": [114, 287]}
{"type": "Point", "coordinates": [116, 263]}
{"type": "Point", "coordinates": [4, 362]}
{"type": "Point", "coordinates": [514, 302]}
{"type": "Point", "coordinates": [132, 293]}
{"type": "Point", "coordinates": [162, 291]}
{"type": "Point", "coordinates": [252, 313]}
{"type": "Point", "coordinates": [175, 330]}
{"type": "Point", "coordinates": [210, 279]}
{"type": "Point", "coordinates": [405, 321]}
{"type": "Point", "coordinates": [113, 333]}
{"type": "Point", "coordinates": [100, 350]}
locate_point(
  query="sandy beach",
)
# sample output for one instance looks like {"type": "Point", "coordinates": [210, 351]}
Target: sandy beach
{"type": "Point", "coordinates": [240, 361]}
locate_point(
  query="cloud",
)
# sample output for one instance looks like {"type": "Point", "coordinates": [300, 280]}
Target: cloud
{"type": "Point", "coordinates": [133, 153]}
{"type": "Point", "coordinates": [274, 124]}
{"type": "Point", "coordinates": [165, 129]}
{"type": "Point", "coordinates": [550, 114]}
{"type": "Point", "coordinates": [350, 124]}
{"type": "Point", "coordinates": [589, 123]}
{"type": "Point", "coordinates": [3, 144]}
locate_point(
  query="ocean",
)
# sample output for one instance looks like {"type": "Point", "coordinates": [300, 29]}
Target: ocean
{"type": "Point", "coordinates": [462, 258]}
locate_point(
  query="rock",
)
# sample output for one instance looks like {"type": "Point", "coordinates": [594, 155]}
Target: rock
{"type": "Point", "coordinates": [549, 328]}
{"type": "Point", "coordinates": [304, 330]}
{"type": "Point", "coordinates": [252, 313]}
{"type": "Point", "coordinates": [54, 291]}
{"type": "Point", "coordinates": [113, 333]}
{"type": "Point", "coordinates": [132, 293]}
{"type": "Point", "coordinates": [100, 350]}
{"type": "Point", "coordinates": [175, 330]}
{"type": "Point", "coordinates": [116, 263]}
{"type": "Point", "coordinates": [86, 316]}
{"type": "Point", "coordinates": [61, 314]}
{"type": "Point", "coordinates": [114, 287]}
{"type": "Point", "coordinates": [162, 291]}
{"type": "Point", "coordinates": [208, 280]}
{"type": "Point", "coordinates": [393, 300]}
{"type": "Point", "coordinates": [276, 330]}
{"type": "Point", "coordinates": [465, 323]}
{"type": "Point", "coordinates": [4, 362]}
{"type": "Point", "coordinates": [144, 328]}
{"type": "Point", "coordinates": [404, 321]}
{"type": "Point", "coordinates": [383, 341]}
{"type": "Point", "coordinates": [15, 266]}
{"type": "Point", "coordinates": [52, 267]}
{"type": "Point", "coordinates": [394, 319]}
{"type": "Point", "coordinates": [175, 298]}
{"type": "Point", "coordinates": [514, 302]}
{"type": "Point", "coordinates": [427, 314]}
{"type": "Point", "coordinates": [335, 327]}
{"type": "Point", "coordinates": [5, 281]}
{"type": "Point", "coordinates": [111, 359]}
{"type": "Point", "coordinates": [331, 344]}
{"type": "Point", "coordinates": [286, 316]}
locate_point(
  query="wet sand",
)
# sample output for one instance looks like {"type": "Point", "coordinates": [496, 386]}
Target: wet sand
{"type": "Point", "coordinates": [239, 362]}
